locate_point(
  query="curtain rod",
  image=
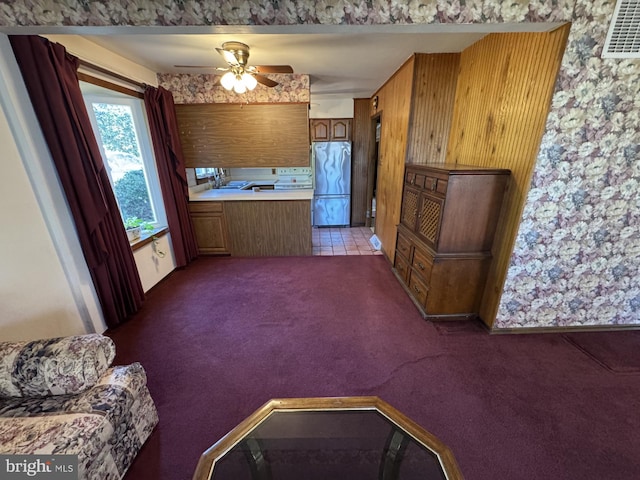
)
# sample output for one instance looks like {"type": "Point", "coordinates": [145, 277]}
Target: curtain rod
{"type": "Point", "coordinates": [97, 68]}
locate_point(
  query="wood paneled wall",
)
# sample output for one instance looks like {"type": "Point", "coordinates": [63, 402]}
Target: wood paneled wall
{"type": "Point", "coordinates": [434, 91]}
{"type": "Point", "coordinates": [416, 106]}
{"type": "Point", "coordinates": [269, 228]}
{"type": "Point", "coordinates": [503, 95]}
{"type": "Point", "coordinates": [239, 135]}
{"type": "Point", "coordinates": [394, 106]}
{"type": "Point", "coordinates": [360, 160]}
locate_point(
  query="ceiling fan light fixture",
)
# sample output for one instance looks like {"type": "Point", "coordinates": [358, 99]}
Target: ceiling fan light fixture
{"type": "Point", "coordinates": [228, 80]}
{"type": "Point", "coordinates": [249, 80]}
{"type": "Point", "coordinates": [239, 86]}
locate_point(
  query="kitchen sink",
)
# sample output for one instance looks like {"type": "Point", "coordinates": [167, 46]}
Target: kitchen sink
{"type": "Point", "coordinates": [236, 185]}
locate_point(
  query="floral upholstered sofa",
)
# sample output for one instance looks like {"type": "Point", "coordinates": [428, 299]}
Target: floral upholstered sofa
{"type": "Point", "coordinates": [62, 396]}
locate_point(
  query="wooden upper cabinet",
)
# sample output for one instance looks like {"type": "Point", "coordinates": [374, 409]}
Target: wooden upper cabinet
{"type": "Point", "coordinates": [320, 130]}
{"type": "Point", "coordinates": [341, 129]}
{"type": "Point", "coordinates": [330, 129]}
{"type": "Point", "coordinates": [244, 135]}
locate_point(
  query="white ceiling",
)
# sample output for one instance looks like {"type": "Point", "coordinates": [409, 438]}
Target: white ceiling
{"type": "Point", "coordinates": [342, 61]}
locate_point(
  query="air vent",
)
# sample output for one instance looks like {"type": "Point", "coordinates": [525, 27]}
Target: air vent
{"type": "Point", "coordinates": [623, 39]}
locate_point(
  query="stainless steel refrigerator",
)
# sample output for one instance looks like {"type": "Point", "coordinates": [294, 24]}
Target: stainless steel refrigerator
{"type": "Point", "coordinates": [332, 183]}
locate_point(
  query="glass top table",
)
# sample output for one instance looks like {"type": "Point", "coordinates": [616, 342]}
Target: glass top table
{"type": "Point", "coordinates": [358, 438]}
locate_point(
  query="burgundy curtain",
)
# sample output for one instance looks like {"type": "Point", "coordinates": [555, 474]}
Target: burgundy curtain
{"type": "Point", "coordinates": [50, 74]}
{"type": "Point", "coordinates": [161, 113]}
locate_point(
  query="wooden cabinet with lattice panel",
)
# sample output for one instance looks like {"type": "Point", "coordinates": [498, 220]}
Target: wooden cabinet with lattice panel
{"type": "Point", "coordinates": [448, 220]}
{"type": "Point", "coordinates": [429, 218]}
{"type": "Point", "coordinates": [410, 199]}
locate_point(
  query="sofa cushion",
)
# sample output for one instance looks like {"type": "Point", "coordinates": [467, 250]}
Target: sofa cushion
{"type": "Point", "coordinates": [57, 366]}
{"type": "Point", "coordinates": [105, 425]}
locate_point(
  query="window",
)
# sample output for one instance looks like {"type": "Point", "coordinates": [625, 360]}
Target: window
{"type": "Point", "coordinates": [120, 125]}
{"type": "Point", "coordinates": [204, 172]}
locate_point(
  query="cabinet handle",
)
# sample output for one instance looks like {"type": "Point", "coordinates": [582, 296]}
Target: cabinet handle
{"type": "Point", "coordinates": [421, 266]}
{"type": "Point", "coordinates": [417, 290]}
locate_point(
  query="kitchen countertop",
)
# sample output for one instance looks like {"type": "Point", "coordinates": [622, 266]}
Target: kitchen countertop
{"type": "Point", "coordinates": [218, 195]}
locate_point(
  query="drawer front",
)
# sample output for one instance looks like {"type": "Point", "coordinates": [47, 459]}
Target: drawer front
{"type": "Point", "coordinates": [441, 186]}
{"type": "Point", "coordinates": [404, 247]}
{"type": "Point", "coordinates": [415, 179]}
{"type": "Point", "coordinates": [410, 178]}
{"type": "Point", "coordinates": [418, 288]}
{"type": "Point", "coordinates": [435, 185]}
{"type": "Point", "coordinates": [430, 183]}
{"type": "Point", "coordinates": [402, 267]}
{"type": "Point", "coordinates": [422, 264]}
{"type": "Point", "coordinates": [205, 207]}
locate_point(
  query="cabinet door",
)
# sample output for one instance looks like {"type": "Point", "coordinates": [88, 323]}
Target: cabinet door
{"type": "Point", "coordinates": [330, 129]}
{"type": "Point", "coordinates": [340, 129]}
{"type": "Point", "coordinates": [244, 135]}
{"type": "Point", "coordinates": [210, 233]}
{"type": "Point", "coordinates": [410, 199]}
{"type": "Point", "coordinates": [429, 219]}
{"type": "Point", "coordinates": [210, 229]}
{"type": "Point", "coordinates": [320, 130]}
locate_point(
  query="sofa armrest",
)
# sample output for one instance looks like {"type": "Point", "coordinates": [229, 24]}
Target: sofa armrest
{"type": "Point", "coordinates": [55, 366]}
{"type": "Point", "coordinates": [129, 377]}
{"type": "Point", "coordinates": [116, 390]}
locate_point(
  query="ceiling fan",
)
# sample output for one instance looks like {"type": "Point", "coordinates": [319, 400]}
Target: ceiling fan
{"type": "Point", "coordinates": [241, 77]}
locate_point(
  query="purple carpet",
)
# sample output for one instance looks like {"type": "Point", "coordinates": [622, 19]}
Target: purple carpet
{"type": "Point", "coordinates": [221, 337]}
{"type": "Point", "coordinates": [616, 351]}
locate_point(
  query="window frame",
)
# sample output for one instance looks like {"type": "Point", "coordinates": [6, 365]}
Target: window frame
{"type": "Point", "coordinates": [143, 136]}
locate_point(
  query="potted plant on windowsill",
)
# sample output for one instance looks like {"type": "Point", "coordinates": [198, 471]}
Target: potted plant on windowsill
{"type": "Point", "coordinates": [133, 226]}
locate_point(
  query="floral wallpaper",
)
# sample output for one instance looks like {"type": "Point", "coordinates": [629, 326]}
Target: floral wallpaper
{"type": "Point", "coordinates": [111, 13]}
{"type": "Point", "coordinates": [204, 88]}
{"type": "Point", "coordinates": [577, 254]}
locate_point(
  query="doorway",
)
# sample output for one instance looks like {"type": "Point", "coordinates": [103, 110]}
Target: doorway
{"type": "Point", "coordinates": [372, 171]}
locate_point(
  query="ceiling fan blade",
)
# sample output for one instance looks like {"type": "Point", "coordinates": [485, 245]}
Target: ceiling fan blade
{"type": "Point", "coordinates": [273, 68]}
{"type": "Point", "coordinates": [267, 82]}
{"type": "Point", "coordinates": [229, 57]}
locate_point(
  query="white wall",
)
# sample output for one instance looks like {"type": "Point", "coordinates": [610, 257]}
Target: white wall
{"type": "Point", "coordinates": [45, 287]}
{"type": "Point", "coordinates": [94, 53]}
{"type": "Point", "coordinates": [35, 298]}
{"type": "Point", "coordinates": [331, 108]}
{"type": "Point", "coordinates": [152, 265]}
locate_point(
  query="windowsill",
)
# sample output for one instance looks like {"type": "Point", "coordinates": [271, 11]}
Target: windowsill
{"type": "Point", "coordinates": [147, 237]}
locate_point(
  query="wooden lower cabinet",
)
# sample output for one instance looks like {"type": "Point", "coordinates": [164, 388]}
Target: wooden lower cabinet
{"type": "Point", "coordinates": [252, 228]}
{"type": "Point", "coordinates": [442, 286]}
{"type": "Point", "coordinates": [269, 228]}
{"type": "Point", "coordinates": [447, 224]}
{"type": "Point", "coordinates": [210, 227]}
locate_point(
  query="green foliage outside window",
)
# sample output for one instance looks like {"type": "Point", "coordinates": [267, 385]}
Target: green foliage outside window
{"type": "Point", "coordinates": [115, 124]}
{"type": "Point", "coordinates": [133, 196]}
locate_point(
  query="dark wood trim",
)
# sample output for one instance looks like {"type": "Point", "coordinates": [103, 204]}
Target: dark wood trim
{"type": "Point", "coordinates": [567, 329]}
{"type": "Point", "coordinates": [98, 68]}
{"type": "Point", "coordinates": [372, 166]}
{"type": "Point", "coordinates": [84, 77]}
{"type": "Point", "coordinates": [147, 238]}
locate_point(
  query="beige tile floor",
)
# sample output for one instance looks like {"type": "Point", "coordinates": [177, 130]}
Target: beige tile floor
{"type": "Point", "coordinates": [343, 241]}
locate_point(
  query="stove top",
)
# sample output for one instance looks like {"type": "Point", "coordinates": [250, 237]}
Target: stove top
{"type": "Point", "coordinates": [295, 178]}
{"type": "Point", "coordinates": [292, 185]}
